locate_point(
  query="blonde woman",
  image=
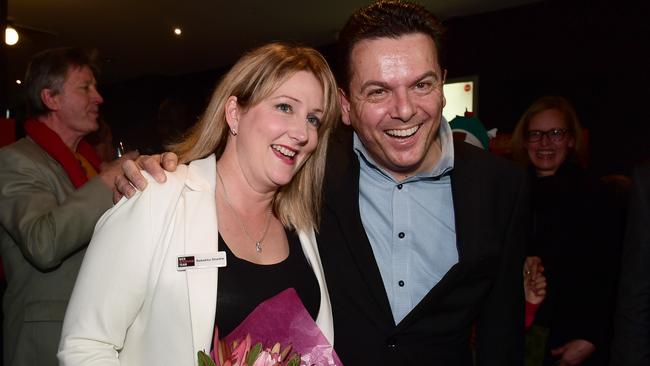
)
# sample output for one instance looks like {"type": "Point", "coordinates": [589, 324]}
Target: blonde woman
{"type": "Point", "coordinates": [547, 135]}
{"type": "Point", "coordinates": [228, 230]}
{"type": "Point", "coordinates": [570, 223]}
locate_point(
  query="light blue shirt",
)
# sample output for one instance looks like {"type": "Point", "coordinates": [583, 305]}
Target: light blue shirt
{"type": "Point", "coordinates": [410, 225]}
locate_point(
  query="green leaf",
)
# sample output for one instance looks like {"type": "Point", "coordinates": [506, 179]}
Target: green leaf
{"type": "Point", "coordinates": [204, 359]}
{"type": "Point", "coordinates": [254, 354]}
{"type": "Point", "coordinates": [294, 360]}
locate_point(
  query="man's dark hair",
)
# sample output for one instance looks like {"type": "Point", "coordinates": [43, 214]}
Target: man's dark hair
{"type": "Point", "coordinates": [48, 70]}
{"type": "Point", "coordinates": [385, 19]}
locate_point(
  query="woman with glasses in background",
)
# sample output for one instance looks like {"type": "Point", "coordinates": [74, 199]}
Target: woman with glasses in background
{"type": "Point", "coordinates": [571, 324]}
{"type": "Point", "coordinates": [549, 134]}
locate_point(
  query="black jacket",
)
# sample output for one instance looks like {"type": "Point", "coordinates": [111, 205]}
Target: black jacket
{"type": "Point", "coordinates": [631, 346]}
{"type": "Point", "coordinates": [484, 288]}
{"type": "Point", "coordinates": [575, 237]}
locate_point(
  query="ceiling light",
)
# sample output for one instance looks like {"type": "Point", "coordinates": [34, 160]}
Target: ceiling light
{"type": "Point", "coordinates": [178, 31]}
{"type": "Point", "coordinates": [18, 82]}
{"type": "Point", "coordinates": [11, 36]}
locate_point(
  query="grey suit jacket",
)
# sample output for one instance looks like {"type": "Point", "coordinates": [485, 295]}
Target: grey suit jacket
{"type": "Point", "coordinates": [45, 225]}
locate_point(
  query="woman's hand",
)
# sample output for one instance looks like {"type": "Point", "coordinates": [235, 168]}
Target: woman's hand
{"type": "Point", "coordinates": [534, 280]}
{"type": "Point", "coordinates": [574, 352]}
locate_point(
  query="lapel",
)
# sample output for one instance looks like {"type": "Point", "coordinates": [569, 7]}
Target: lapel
{"type": "Point", "coordinates": [468, 208]}
{"type": "Point", "coordinates": [324, 319]}
{"type": "Point", "coordinates": [342, 197]}
{"type": "Point", "coordinates": [200, 220]}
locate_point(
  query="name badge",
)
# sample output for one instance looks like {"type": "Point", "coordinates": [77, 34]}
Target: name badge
{"type": "Point", "coordinates": [201, 261]}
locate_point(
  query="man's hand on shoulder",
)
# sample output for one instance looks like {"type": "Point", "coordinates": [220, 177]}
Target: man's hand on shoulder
{"type": "Point", "coordinates": [111, 170]}
{"type": "Point", "coordinates": [130, 177]}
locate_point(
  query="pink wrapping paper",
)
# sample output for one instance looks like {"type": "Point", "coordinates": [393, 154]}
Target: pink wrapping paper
{"type": "Point", "coordinates": [284, 319]}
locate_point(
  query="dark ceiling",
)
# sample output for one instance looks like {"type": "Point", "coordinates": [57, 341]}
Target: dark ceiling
{"type": "Point", "coordinates": [135, 37]}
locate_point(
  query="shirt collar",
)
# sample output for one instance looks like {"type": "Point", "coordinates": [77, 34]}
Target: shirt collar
{"type": "Point", "coordinates": [444, 165]}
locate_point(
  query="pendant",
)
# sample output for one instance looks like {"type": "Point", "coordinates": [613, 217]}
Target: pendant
{"type": "Point", "coordinates": [258, 247]}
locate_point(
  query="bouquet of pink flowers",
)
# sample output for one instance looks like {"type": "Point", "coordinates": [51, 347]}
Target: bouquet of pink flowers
{"type": "Point", "coordinates": [284, 335]}
{"type": "Point", "coordinates": [245, 354]}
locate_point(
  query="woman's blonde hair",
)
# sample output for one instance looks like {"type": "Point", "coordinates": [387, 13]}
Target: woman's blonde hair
{"type": "Point", "coordinates": [253, 78]}
{"type": "Point", "coordinates": [562, 105]}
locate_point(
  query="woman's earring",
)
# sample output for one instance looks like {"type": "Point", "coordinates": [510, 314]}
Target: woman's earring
{"type": "Point", "coordinates": [233, 132]}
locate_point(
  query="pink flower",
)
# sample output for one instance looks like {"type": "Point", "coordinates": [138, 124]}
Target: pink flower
{"type": "Point", "coordinates": [265, 359]}
{"type": "Point", "coordinates": [240, 352]}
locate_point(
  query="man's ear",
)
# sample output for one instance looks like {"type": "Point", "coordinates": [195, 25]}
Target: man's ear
{"type": "Point", "coordinates": [232, 114]}
{"type": "Point", "coordinates": [444, 80]}
{"type": "Point", "coordinates": [345, 107]}
{"type": "Point", "coordinates": [50, 99]}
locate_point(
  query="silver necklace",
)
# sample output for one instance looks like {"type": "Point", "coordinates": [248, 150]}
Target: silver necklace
{"type": "Point", "coordinates": [258, 243]}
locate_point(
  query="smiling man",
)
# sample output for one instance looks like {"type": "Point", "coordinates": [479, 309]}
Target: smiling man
{"type": "Point", "coordinates": [394, 101]}
{"type": "Point", "coordinates": [52, 192]}
{"type": "Point", "coordinates": [421, 238]}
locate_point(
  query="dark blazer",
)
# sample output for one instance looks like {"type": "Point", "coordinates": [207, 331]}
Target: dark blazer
{"type": "Point", "coordinates": [485, 288]}
{"type": "Point", "coordinates": [631, 346]}
{"type": "Point", "coordinates": [577, 234]}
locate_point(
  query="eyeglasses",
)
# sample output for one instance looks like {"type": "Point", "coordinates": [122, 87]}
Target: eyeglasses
{"type": "Point", "coordinates": [554, 134]}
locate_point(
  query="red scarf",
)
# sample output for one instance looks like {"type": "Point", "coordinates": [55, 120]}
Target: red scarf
{"type": "Point", "coordinates": [49, 141]}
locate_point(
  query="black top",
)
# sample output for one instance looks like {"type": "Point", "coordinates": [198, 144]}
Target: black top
{"type": "Point", "coordinates": [243, 285]}
{"type": "Point", "coordinates": [573, 233]}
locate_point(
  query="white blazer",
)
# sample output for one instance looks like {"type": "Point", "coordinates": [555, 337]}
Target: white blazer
{"type": "Point", "coordinates": [130, 304]}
